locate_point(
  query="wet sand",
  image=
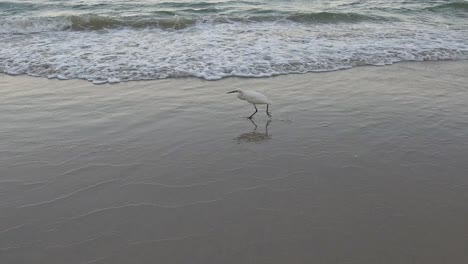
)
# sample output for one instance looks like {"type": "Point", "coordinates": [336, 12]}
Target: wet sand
{"type": "Point", "coordinates": [367, 165]}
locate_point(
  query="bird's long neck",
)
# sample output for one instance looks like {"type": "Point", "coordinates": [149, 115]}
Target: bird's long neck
{"type": "Point", "coordinates": [240, 94]}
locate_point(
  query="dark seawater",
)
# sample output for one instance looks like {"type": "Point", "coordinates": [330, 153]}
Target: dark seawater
{"type": "Point", "coordinates": [112, 41]}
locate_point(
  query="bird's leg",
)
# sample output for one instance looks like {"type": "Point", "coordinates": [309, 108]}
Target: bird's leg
{"type": "Point", "coordinates": [256, 110]}
{"type": "Point", "coordinates": [268, 113]}
{"type": "Point", "coordinates": [255, 129]}
{"type": "Point", "coordinates": [266, 127]}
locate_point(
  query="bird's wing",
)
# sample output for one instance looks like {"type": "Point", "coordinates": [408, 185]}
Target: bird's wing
{"type": "Point", "coordinates": [256, 97]}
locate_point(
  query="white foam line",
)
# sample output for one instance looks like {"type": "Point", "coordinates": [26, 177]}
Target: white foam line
{"type": "Point", "coordinates": [12, 228]}
{"type": "Point", "coordinates": [89, 239]}
{"type": "Point", "coordinates": [173, 186]}
{"type": "Point", "coordinates": [72, 171]}
{"type": "Point", "coordinates": [68, 195]}
{"type": "Point", "coordinates": [209, 51]}
{"type": "Point", "coordinates": [167, 239]}
{"type": "Point", "coordinates": [222, 197]}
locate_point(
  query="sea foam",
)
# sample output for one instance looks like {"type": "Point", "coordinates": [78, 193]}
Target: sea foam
{"type": "Point", "coordinates": [213, 51]}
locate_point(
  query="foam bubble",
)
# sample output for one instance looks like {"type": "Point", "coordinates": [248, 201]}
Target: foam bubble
{"type": "Point", "coordinates": [212, 50]}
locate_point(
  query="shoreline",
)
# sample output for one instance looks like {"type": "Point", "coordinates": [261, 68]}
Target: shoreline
{"type": "Point", "coordinates": [243, 77]}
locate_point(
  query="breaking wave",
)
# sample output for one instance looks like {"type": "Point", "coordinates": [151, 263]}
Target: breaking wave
{"type": "Point", "coordinates": [112, 41]}
{"type": "Point", "coordinates": [168, 20]}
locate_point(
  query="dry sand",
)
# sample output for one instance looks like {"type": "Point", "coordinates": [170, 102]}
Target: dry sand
{"type": "Point", "coordinates": [367, 165]}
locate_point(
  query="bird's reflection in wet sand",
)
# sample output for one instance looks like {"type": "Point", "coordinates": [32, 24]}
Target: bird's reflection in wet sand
{"type": "Point", "coordinates": [254, 136]}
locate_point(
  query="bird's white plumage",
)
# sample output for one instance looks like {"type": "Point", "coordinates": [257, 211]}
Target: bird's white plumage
{"type": "Point", "coordinates": [253, 97]}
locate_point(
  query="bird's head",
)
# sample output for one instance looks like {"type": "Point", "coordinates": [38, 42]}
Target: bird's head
{"type": "Point", "coordinates": [235, 91]}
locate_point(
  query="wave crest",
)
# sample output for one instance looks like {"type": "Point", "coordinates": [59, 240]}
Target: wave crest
{"type": "Point", "coordinates": [450, 6]}
{"type": "Point", "coordinates": [168, 20]}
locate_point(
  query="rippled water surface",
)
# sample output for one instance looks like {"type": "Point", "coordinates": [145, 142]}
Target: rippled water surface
{"type": "Point", "coordinates": [359, 166]}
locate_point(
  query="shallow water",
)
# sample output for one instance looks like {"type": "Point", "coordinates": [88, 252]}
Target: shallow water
{"type": "Point", "coordinates": [360, 166]}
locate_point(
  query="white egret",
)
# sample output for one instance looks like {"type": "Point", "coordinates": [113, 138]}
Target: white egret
{"type": "Point", "coordinates": [254, 98]}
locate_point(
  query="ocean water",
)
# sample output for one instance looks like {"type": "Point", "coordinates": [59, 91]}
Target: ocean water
{"type": "Point", "coordinates": [112, 41]}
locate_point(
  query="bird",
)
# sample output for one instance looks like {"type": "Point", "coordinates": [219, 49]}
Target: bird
{"type": "Point", "coordinates": [254, 98]}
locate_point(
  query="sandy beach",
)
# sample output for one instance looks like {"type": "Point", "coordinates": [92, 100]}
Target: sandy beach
{"type": "Point", "coordinates": [366, 165]}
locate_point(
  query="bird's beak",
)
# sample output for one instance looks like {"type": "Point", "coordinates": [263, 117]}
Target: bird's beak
{"type": "Point", "coordinates": [232, 92]}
